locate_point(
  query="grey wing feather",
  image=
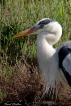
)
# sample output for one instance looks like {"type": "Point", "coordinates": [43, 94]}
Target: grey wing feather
{"type": "Point", "coordinates": [67, 43]}
{"type": "Point", "coordinates": [67, 63]}
{"type": "Point", "coordinates": [65, 60]}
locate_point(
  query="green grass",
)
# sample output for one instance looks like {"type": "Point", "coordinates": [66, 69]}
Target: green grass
{"type": "Point", "coordinates": [18, 15]}
{"type": "Point", "coordinates": [2, 95]}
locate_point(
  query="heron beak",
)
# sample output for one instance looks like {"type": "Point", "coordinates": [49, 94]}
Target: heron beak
{"type": "Point", "coordinates": [27, 32]}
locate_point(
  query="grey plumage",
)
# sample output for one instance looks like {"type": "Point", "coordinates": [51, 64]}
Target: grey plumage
{"type": "Point", "coordinates": [64, 53]}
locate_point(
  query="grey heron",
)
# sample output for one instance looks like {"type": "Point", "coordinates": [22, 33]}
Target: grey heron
{"type": "Point", "coordinates": [55, 63]}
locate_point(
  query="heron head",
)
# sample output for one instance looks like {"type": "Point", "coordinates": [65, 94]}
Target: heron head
{"type": "Point", "coordinates": [44, 25]}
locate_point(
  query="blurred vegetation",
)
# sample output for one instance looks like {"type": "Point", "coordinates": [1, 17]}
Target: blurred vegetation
{"type": "Point", "coordinates": [18, 15]}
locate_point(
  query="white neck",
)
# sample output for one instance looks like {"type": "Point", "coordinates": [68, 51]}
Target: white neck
{"type": "Point", "coordinates": [44, 50]}
{"type": "Point", "coordinates": [45, 44]}
{"type": "Point", "coordinates": [48, 61]}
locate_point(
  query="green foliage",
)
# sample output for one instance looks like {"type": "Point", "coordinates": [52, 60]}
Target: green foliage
{"type": "Point", "coordinates": [2, 95]}
{"type": "Point", "coordinates": [7, 72]}
{"type": "Point", "coordinates": [18, 15]}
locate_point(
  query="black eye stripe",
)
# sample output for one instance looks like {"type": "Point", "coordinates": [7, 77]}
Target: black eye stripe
{"type": "Point", "coordinates": [46, 21]}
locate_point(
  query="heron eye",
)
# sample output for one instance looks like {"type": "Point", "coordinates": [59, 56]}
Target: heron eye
{"type": "Point", "coordinates": [42, 25]}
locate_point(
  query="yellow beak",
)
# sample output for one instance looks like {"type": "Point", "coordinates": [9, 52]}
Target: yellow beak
{"type": "Point", "coordinates": [23, 33]}
{"type": "Point", "coordinates": [27, 32]}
